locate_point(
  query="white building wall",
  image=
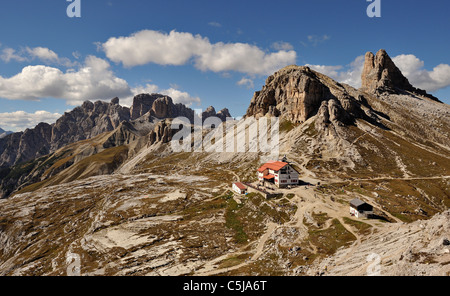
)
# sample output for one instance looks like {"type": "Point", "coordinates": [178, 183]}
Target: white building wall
{"type": "Point", "coordinates": [237, 189]}
{"type": "Point", "coordinates": [283, 179]}
{"type": "Point", "coordinates": [289, 178]}
{"type": "Point", "coordinates": [354, 212]}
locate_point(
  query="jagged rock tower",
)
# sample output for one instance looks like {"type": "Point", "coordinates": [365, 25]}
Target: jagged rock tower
{"type": "Point", "coordinates": [380, 75]}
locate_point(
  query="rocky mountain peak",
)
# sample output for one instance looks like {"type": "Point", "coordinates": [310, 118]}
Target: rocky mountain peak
{"type": "Point", "coordinates": [381, 75]}
{"type": "Point", "coordinates": [297, 93]}
{"type": "Point", "coordinates": [87, 121]}
{"type": "Point", "coordinates": [142, 104]}
{"type": "Point", "coordinates": [159, 106]}
{"type": "Point", "coordinates": [115, 101]}
{"type": "Point", "coordinates": [84, 122]}
{"type": "Point", "coordinates": [224, 114]}
{"type": "Point", "coordinates": [211, 112]}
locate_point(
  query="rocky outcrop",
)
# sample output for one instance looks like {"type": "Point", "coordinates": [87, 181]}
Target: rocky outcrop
{"type": "Point", "coordinates": [298, 93]}
{"type": "Point", "coordinates": [23, 146]}
{"type": "Point", "coordinates": [142, 104]}
{"type": "Point", "coordinates": [295, 92]}
{"type": "Point", "coordinates": [123, 135]}
{"type": "Point", "coordinates": [224, 114]}
{"type": "Point", "coordinates": [331, 111]}
{"type": "Point", "coordinates": [84, 122]}
{"type": "Point", "coordinates": [88, 121]}
{"type": "Point", "coordinates": [211, 112]}
{"type": "Point", "coordinates": [162, 133]}
{"type": "Point", "coordinates": [158, 106]}
{"type": "Point", "coordinates": [381, 75]}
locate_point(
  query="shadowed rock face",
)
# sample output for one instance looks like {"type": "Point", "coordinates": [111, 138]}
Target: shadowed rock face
{"type": "Point", "coordinates": [159, 106]}
{"type": "Point", "coordinates": [381, 75]}
{"type": "Point", "coordinates": [211, 112]}
{"type": "Point", "coordinates": [87, 121]}
{"type": "Point", "coordinates": [294, 92]}
{"type": "Point", "coordinates": [161, 133]}
{"type": "Point", "coordinates": [298, 93]}
{"type": "Point", "coordinates": [24, 152]}
{"type": "Point", "coordinates": [142, 104]}
{"type": "Point", "coordinates": [84, 122]}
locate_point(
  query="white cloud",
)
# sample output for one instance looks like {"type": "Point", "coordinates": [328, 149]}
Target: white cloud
{"type": "Point", "coordinates": [181, 97]}
{"type": "Point", "coordinates": [9, 54]}
{"type": "Point", "coordinates": [20, 120]}
{"type": "Point", "coordinates": [244, 58]}
{"type": "Point", "coordinates": [49, 56]}
{"type": "Point", "coordinates": [42, 53]}
{"type": "Point", "coordinates": [413, 69]}
{"type": "Point", "coordinates": [281, 45]}
{"type": "Point", "coordinates": [215, 24]}
{"type": "Point", "coordinates": [315, 40]}
{"type": "Point", "coordinates": [94, 80]}
{"type": "Point", "coordinates": [177, 48]}
{"type": "Point", "coordinates": [247, 82]}
{"type": "Point", "coordinates": [154, 47]}
{"type": "Point", "coordinates": [27, 54]}
{"type": "Point", "coordinates": [349, 74]}
{"type": "Point", "coordinates": [76, 55]}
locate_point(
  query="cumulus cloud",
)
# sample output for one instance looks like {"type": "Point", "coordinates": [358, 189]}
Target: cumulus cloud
{"type": "Point", "coordinates": [94, 80]}
{"type": "Point", "coordinates": [413, 69]}
{"type": "Point", "coordinates": [48, 56]}
{"type": "Point", "coordinates": [28, 54]}
{"type": "Point", "coordinates": [181, 97]}
{"type": "Point", "coordinates": [349, 74]}
{"type": "Point", "coordinates": [43, 53]}
{"type": "Point", "coordinates": [247, 82]}
{"type": "Point", "coordinates": [178, 48]}
{"type": "Point", "coordinates": [281, 45]}
{"type": "Point", "coordinates": [21, 120]}
{"type": "Point", "coordinates": [244, 58]}
{"type": "Point", "coordinates": [10, 54]}
{"type": "Point", "coordinates": [154, 47]}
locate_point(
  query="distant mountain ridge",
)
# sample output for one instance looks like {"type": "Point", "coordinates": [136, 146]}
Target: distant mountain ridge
{"type": "Point", "coordinates": [4, 133]}
{"type": "Point", "coordinates": [128, 204]}
{"type": "Point", "coordinates": [87, 121]}
{"type": "Point", "coordinates": [325, 120]}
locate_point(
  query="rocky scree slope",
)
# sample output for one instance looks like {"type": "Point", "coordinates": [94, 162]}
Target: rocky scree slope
{"type": "Point", "coordinates": [379, 147]}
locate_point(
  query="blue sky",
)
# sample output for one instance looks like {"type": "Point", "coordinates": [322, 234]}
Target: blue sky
{"type": "Point", "coordinates": [202, 52]}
